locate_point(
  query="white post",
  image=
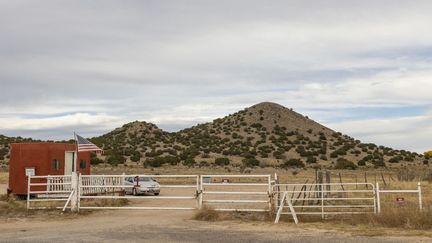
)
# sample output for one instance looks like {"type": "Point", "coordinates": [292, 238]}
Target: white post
{"type": "Point", "coordinates": [123, 182]}
{"type": "Point", "coordinates": [198, 192]}
{"type": "Point", "coordinates": [322, 201]}
{"type": "Point", "coordinates": [201, 187]}
{"type": "Point", "coordinates": [270, 192]}
{"type": "Point", "coordinates": [281, 205]}
{"type": "Point", "coordinates": [28, 191]}
{"type": "Point", "coordinates": [378, 200]}
{"type": "Point", "coordinates": [74, 200]}
{"type": "Point", "coordinates": [374, 199]}
{"type": "Point", "coordinates": [420, 196]}
{"type": "Point", "coordinates": [277, 189]}
{"type": "Point", "coordinates": [79, 191]}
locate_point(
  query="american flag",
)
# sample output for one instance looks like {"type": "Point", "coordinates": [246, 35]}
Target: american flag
{"type": "Point", "coordinates": [86, 145]}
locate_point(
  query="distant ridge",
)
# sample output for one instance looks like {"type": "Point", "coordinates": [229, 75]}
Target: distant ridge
{"type": "Point", "coordinates": [265, 134]}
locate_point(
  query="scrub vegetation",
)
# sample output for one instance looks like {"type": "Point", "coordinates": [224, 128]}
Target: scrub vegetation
{"type": "Point", "coordinates": [263, 135]}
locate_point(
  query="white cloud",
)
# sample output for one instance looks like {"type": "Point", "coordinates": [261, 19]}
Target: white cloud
{"type": "Point", "coordinates": [412, 133]}
{"type": "Point", "coordinates": [178, 63]}
{"type": "Point", "coordinates": [73, 120]}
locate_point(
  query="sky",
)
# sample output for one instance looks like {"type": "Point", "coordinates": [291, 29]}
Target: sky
{"type": "Point", "coordinates": [360, 67]}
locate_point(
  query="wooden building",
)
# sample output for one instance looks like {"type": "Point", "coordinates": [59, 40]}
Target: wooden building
{"type": "Point", "coordinates": [43, 159]}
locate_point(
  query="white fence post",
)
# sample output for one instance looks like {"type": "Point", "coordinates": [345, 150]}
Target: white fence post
{"type": "Point", "coordinates": [200, 191]}
{"type": "Point", "coordinates": [322, 200]}
{"type": "Point", "coordinates": [420, 196]}
{"type": "Point", "coordinates": [75, 197]}
{"type": "Point", "coordinates": [28, 191]}
{"type": "Point", "coordinates": [78, 192]}
{"type": "Point", "coordinates": [197, 191]}
{"type": "Point", "coordinates": [374, 198]}
{"type": "Point", "coordinates": [378, 200]}
{"type": "Point", "coordinates": [270, 193]}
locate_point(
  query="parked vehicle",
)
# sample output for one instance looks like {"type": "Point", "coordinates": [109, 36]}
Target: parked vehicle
{"type": "Point", "coordinates": [141, 185]}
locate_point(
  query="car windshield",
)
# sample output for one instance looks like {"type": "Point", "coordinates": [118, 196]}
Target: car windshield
{"type": "Point", "coordinates": [144, 179]}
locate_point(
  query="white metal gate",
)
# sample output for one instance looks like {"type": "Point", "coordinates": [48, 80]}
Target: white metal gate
{"type": "Point", "coordinates": [177, 191]}
{"type": "Point", "coordinates": [250, 193]}
{"type": "Point", "coordinates": [325, 199]}
{"type": "Point", "coordinates": [44, 190]}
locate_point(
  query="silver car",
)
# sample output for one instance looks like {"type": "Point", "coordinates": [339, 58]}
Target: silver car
{"type": "Point", "coordinates": [141, 185]}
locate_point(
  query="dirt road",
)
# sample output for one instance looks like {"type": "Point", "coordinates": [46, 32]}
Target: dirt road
{"type": "Point", "coordinates": [164, 226]}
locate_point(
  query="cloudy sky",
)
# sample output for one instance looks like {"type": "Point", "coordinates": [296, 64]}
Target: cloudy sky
{"type": "Point", "coordinates": [361, 67]}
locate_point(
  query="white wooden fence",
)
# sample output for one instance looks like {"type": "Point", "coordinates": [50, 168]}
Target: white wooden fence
{"type": "Point", "coordinates": [250, 193]}
{"type": "Point", "coordinates": [417, 191]}
{"type": "Point", "coordinates": [48, 189]}
{"type": "Point", "coordinates": [325, 199]}
{"type": "Point", "coordinates": [92, 186]}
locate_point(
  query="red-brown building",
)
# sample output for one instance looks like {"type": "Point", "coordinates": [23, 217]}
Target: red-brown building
{"type": "Point", "coordinates": [43, 159]}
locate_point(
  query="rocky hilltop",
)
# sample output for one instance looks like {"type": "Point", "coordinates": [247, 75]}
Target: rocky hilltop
{"type": "Point", "coordinates": [266, 134]}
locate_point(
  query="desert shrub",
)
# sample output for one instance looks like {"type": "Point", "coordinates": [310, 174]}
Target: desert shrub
{"type": "Point", "coordinates": [94, 160]}
{"type": "Point", "coordinates": [154, 162]}
{"type": "Point", "coordinates": [323, 157]}
{"type": "Point", "coordinates": [378, 163]}
{"type": "Point", "coordinates": [136, 156]}
{"type": "Point", "coordinates": [395, 159]}
{"type": "Point", "coordinates": [311, 160]}
{"type": "Point", "coordinates": [203, 164]}
{"type": "Point", "coordinates": [295, 163]}
{"type": "Point", "coordinates": [222, 161]}
{"type": "Point", "coordinates": [343, 164]}
{"type": "Point", "coordinates": [250, 162]}
{"type": "Point", "coordinates": [189, 162]}
{"type": "Point", "coordinates": [361, 163]}
{"type": "Point", "coordinates": [115, 159]}
{"type": "Point", "coordinates": [160, 160]}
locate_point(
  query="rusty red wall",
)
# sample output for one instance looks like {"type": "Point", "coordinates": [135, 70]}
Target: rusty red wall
{"type": "Point", "coordinates": [40, 156]}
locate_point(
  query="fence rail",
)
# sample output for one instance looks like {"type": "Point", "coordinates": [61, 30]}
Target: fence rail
{"type": "Point", "coordinates": [223, 195]}
{"type": "Point", "coordinates": [249, 193]}
{"type": "Point", "coordinates": [113, 187]}
{"type": "Point", "coordinates": [325, 199]}
{"type": "Point", "coordinates": [50, 188]}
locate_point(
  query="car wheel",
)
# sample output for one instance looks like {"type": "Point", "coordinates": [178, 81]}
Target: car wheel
{"type": "Point", "coordinates": [134, 192]}
{"type": "Point", "coordinates": [156, 194]}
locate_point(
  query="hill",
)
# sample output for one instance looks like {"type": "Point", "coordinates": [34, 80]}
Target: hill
{"type": "Point", "coordinates": [265, 134]}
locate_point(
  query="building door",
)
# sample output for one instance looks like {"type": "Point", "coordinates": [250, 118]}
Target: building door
{"type": "Point", "coordinates": [69, 163]}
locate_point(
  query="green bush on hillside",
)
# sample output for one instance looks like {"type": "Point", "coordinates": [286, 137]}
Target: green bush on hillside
{"type": "Point", "coordinates": [222, 161]}
{"type": "Point", "coordinates": [250, 162]}
{"type": "Point", "coordinates": [295, 163]}
{"type": "Point", "coordinates": [343, 164]}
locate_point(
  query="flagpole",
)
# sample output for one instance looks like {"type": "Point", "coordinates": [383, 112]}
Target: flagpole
{"type": "Point", "coordinates": [76, 152]}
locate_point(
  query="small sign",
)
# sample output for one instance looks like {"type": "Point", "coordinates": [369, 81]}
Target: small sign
{"type": "Point", "coordinates": [29, 171]}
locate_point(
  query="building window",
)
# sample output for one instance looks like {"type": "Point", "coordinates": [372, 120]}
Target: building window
{"type": "Point", "coordinates": [83, 164]}
{"type": "Point", "coordinates": [56, 164]}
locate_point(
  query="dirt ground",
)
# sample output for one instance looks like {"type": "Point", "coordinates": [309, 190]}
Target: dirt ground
{"type": "Point", "coordinates": [172, 226]}
{"type": "Point", "coordinates": [178, 226]}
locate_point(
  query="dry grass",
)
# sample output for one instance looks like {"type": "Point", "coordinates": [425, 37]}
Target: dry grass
{"type": "Point", "coordinates": [209, 214]}
{"type": "Point", "coordinates": [106, 202]}
{"type": "Point", "coordinates": [407, 217]}
{"type": "Point", "coordinates": [4, 177]}
{"type": "Point", "coordinates": [9, 206]}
